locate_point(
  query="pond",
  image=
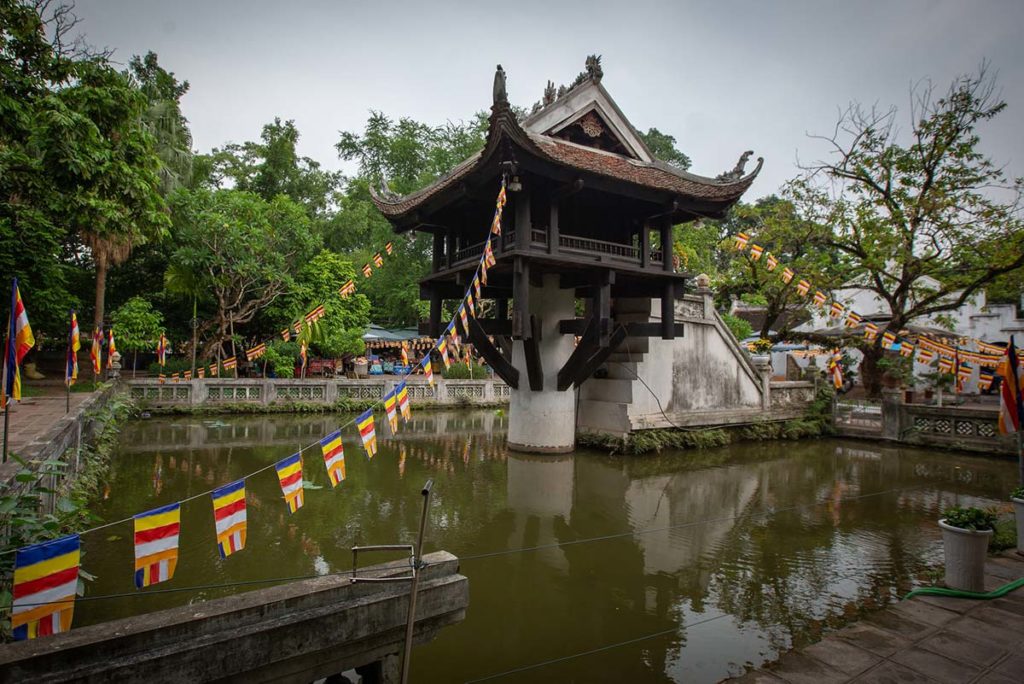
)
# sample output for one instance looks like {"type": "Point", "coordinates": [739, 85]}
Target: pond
{"type": "Point", "coordinates": [681, 566]}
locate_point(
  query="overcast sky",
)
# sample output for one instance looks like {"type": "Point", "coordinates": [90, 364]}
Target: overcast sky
{"type": "Point", "coordinates": [721, 77]}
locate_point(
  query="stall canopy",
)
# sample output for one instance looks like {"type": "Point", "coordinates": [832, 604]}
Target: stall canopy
{"type": "Point", "coordinates": [377, 337]}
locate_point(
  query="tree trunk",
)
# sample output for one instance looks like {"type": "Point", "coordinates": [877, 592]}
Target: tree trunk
{"type": "Point", "coordinates": [100, 256]}
{"type": "Point", "coordinates": [870, 373]}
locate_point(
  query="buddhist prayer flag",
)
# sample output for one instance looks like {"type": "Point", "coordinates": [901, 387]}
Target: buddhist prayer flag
{"type": "Point", "coordinates": [19, 340]}
{"type": "Point", "coordinates": [200, 372]}
{"type": "Point", "coordinates": [835, 370]}
{"type": "Point", "coordinates": [229, 517]}
{"type": "Point", "coordinates": [45, 583]}
{"type": "Point", "coordinates": [96, 352]}
{"type": "Point", "coordinates": [925, 356]}
{"type": "Point", "coordinates": [837, 310]}
{"type": "Point", "coordinates": [390, 408]}
{"type": "Point", "coordinates": [741, 241]}
{"type": "Point", "coordinates": [256, 352]}
{"type": "Point", "coordinates": [469, 304]}
{"type": "Point", "coordinates": [945, 365]}
{"type": "Point", "coordinates": [156, 544]}
{"type": "Point", "coordinates": [906, 348]}
{"type": "Point", "coordinates": [488, 258]}
{"type": "Point", "coordinates": [111, 348]}
{"type": "Point", "coordinates": [367, 270]}
{"type": "Point", "coordinates": [1011, 408]}
{"type": "Point", "coordinates": [74, 344]}
{"type": "Point", "coordinates": [985, 379]}
{"type": "Point", "coordinates": [366, 432]}
{"type": "Point", "coordinates": [187, 374]}
{"type": "Point", "coordinates": [161, 379]}
{"type": "Point", "coordinates": [334, 457]}
{"type": "Point", "coordinates": [230, 363]}
{"type": "Point", "coordinates": [403, 401]}
{"type": "Point", "coordinates": [304, 357]}
{"type": "Point", "coordinates": [870, 331]}
{"type": "Point", "coordinates": [289, 473]}
{"type": "Point", "coordinates": [499, 206]}
{"type": "Point", "coordinates": [389, 247]}
{"type": "Point", "coordinates": [315, 315]}
{"type": "Point", "coordinates": [803, 287]}
{"type": "Point", "coordinates": [853, 319]}
{"type": "Point", "coordinates": [213, 369]}
{"type": "Point", "coordinates": [428, 372]}
{"type": "Point", "coordinates": [464, 318]}
{"type": "Point", "coordinates": [476, 286]}
{"type": "Point", "coordinates": [442, 347]}
{"type": "Point", "coordinates": [820, 298]}
{"type": "Point", "coordinates": [888, 340]}
{"type": "Point", "coordinates": [378, 260]}
{"type": "Point", "coordinates": [787, 275]}
{"type": "Point", "coordinates": [348, 288]}
{"type": "Point", "coordinates": [963, 373]}
{"type": "Point", "coordinates": [756, 251]}
{"type": "Point", "coordinates": [286, 335]}
{"type": "Point", "coordinates": [161, 350]}
{"type": "Point", "coordinates": [405, 354]}
{"type": "Point", "coordinates": [772, 263]}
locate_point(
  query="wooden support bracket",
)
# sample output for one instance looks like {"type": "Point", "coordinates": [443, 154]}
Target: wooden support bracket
{"type": "Point", "coordinates": [494, 358]}
{"type": "Point", "coordinates": [531, 346]}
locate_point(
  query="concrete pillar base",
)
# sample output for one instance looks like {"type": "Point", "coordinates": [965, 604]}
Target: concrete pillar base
{"type": "Point", "coordinates": [544, 421]}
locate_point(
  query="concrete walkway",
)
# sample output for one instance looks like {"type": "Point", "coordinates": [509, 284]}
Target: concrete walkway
{"type": "Point", "coordinates": [926, 639]}
{"type": "Point", "coordinates": [33, 417]}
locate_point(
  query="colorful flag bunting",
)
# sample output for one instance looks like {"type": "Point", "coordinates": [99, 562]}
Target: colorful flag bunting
{"type": "Point", "coordinates": [403, 401]}
{"type": "Point", "coordinates": [230, 363]}
{"type": "Point", "coordinates": [286, 335]}
{"type": "Point", "coordinates": [442, 347]}
{"type": "Point", "coordinates": [906, 348]}
{"type": "Point", "coordinates": [256, 352]}
{"type": "Point", "coordinates": [367, 270]}
{"type": "Point", "coordinates": [756, 251]}
{"type": "Point", "coordinates": [347, 289]}
{"type": "Point", "coordinates": [389, 247]}
{"type": "Point", "coordinates": [187, 374]}
{"type": "Point", "coordinates": [835, 370]}
{"type": "Point", "coordinates": [45, 584]}
{"type": "Point", "coordinates": [405, 354]}
{"type": "Point", "coordinates": [820, 298]}
{"type": "Point", "coordinates": [741, 241]}
{"type": "Point", "coordinates": [390, 409]}
{"type": "Point", "coordinates": [924, 356]}
{"type": "Point", "coordinates": [803, 287]}
{"type": "Point", "coordinates": [837, 310]}
{"type": "Point", "coordinates": [289, 474]}
{"type": "Point", "coordinates": [96, 352]}
{"type": "Point", "coordinates": [315, 315]}
{"type": "Point", "coordinates": [161, 350]}
{"type": "Point", "coordinates": [945, 365]}
{"type": "Point", "coordinates": [772, 262]}
{"type": "Point", "coordinates": [156, 544]}
{"type": "Point", "coordinates": [1011, 405]}
{"type": "Point", "coordinates": [476, 286]}
{"type": "Point", "coordinates": [985, 379]}
{"type": "Point", "coordinates": [428, 372]}
{"type": "Point", "coordinates": [787, 275]}
{"type": "Point", "coordinates": [366, 432]}
{"type": "Point", "coordinates": [853, 319]}
{"type": "Point", "coordinates": [161, 378]}
{"type": "Point", "coordinates": [74, 344]}
{"type": "Point", "coordinates": [888, 340]}
{"type": "Point", "coordinates": [334, 457]}
{"type": "Point", "coordinates": [200, 372]}
{"type": "Point", "coordinates": [304, 358]}
{"type": "Point", "coordinates": [469, 304]}
{"type": "Point", "coordinates": [464, 318]}
{"type": "Point", "coordinates": [229, 517]}
{"type": "Point", "coordinates": [378, 260]}
{"type": "Point", "coordinates": [111, 348]}
{"type": "Point", "coordinates": [870, 331]}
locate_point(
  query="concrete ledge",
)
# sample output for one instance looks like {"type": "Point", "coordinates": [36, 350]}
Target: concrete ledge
{"type": "Point", "coordinates": [302, 630]}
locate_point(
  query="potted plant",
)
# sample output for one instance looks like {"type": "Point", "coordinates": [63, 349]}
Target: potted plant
{"type": "Point", "coordinates": [965, 536]}
{"type": "Point", "coordinates": [1017, 497]}
{"type": "Point", "coordinates": [761, 350]}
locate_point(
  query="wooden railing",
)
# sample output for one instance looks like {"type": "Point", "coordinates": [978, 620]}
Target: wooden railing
{"type": "Point", "coordinates": [569, 244]}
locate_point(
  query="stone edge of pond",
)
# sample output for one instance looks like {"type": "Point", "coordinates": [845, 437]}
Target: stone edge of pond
{"type": "Point", "coordinates": [303, 407]}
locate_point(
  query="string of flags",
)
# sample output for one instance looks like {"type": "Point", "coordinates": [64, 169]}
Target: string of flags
{"type": "Point", "coordinates": [46, 574]}
{"type": "Point", "coordinates": [953, 359]}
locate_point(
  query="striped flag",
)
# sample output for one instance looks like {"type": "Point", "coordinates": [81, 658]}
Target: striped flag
{"type": "Point", "coordinates": [469, 304]}
{"type": "Point", "coordinates": [853, 319]}
{"type": "Point", "coordinates": [405, 354]}
{"type": "Point", "coordinates": [464, 318]}
{"type": "Point", "coordinates": [772, 262]}
{"type": "Point", "coordinates": [888, 340]}
{"type": "Point", "coordinates": [378, 260]}
{"type": "Point", "coordinates": [366, 432]}
{"type": "Point", "coordinates": [96, 352]}
{"type": "Point", "coordinates": [985, 379]}
{"type": "Point", "coordinates": [741, 241]}
{"type": "Point", "coordinates": [74, 344]}
{"type": "Point", "coordinates": [906, 348]}
{"type": "Point", "coordinates": [286, 335]}
{"type": "Point", "coordinates": [498, 207]}
{"type": "Point", "coordinates": [19, 341]}
{"type": "Point", "coordinates": [161, 350]}
{"type": "Point", "coordinates": [837, 310]}
{"type": "Point", "coordinates": [289, 473]}
{"type": "Point", "coordinates": [820, 298]}
{"type": "Point", "coordinates": [161, 378]}
{"type": "Point", "coordinates": [835, 370]}
{"type": "Point", "coordinates": [256, 352]}
{"type": "Point", "coordinates": [200, 372]}
{"type": "Point", "coordinates": [187, 374]}
{"type": "Point", "coordinates": [367, 270]}
{"type": "Point", "coordinates": [787, 275]}
{"type": "Point", "coordinates": [428, 372]}
{"type": "Point", "coordinates": [803, 287]}
{"type": "Point", "coordinates": [213, 369]}
{"type": "Point", "coordinates": [315, 315]}
{"type": "Point", "coordinates": [945, 365]}
{"type": "Point", "coordinates": [174, 377]}
{"type": "Point", "coordinates": [390, 408]}
{"type": "Point", "coordinates": [488, 260]}
{"type": "Point", "coordinates": [870, 331]}
{"type": "Point", "coordinates": [156, 544]}
{"type": "Point", "coordinates": [476, 286]}
{"type": "Point", "coordinates": [334, 457]}
{"type": "Point", "coordinates": [963, 374]}
{"type": "Point", "coordinates": [1011, 410]}
{"type": "Point", "coordinates": [756, 251]}
{"type": "Point", "coordinates": [111, 348]}
{"type": "Point", "coordinates": [229, 517]}
{"type": "Point", "coordinates": [230, 363]}
{"type": "Point", "coordinates": [348, 288]}
{"type": "Point", "coordinates": [403, 401]}
{"type": "Point", "coordinates": [389, 247]}
{"type": "Point", "coordinates": [45, 583]}
{"type": "Point", "coordinates": [442, 347]}
{"type": "Point", "coordinates": [924, 356]}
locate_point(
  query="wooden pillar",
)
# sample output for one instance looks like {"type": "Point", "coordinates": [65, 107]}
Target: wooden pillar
{"type": "Point", "coordinates": [502, 305]}
{"type": "Point", "coordinates": [437, 258]}
{"type": "Point", "coordinates": [603, 306]}
{"type": "Point", "coordinates": [553, 227]}
{"type": "Point", "coordinates": [668, 311]}
{"type": "Point", "coordinates": [666, 244]}
{"type": "Point", "coordinates": [645, 245]}
{"type": "Point", "coordinates": [435, 313]}
{"type": "Point", "coordinates": [521, 299]}
{"type": "Point", "coordinates": [523, 223]}
{"type": "Point", "coordinates": [449, 247]}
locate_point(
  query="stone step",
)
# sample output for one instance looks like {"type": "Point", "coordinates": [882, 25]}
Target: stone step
{"type": "Point", "coordinates": [607, 389]}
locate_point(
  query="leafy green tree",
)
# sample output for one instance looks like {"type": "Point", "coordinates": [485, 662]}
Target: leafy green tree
{"type": "Point", "coordinates": [240, 249]}
{"type": "Point", "coordinates": [164, 120]}
{"type": "Point", "coordinates": [663, 147]}
{"type": "Point", "coordinates": [925, 219]}
{"type": "Point", "coordinates": [137, 326]}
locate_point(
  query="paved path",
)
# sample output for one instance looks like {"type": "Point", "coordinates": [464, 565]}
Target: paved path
{"type": "Point", "coordinates": [928, 639]}
{"type": "Point", "coordinates": [33, 417]}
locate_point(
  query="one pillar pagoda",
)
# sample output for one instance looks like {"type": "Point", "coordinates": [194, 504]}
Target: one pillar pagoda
{"type": "Point", "coordinates": [589, 213]}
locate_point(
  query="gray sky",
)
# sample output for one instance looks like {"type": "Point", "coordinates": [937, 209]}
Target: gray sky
{"type": "Point", "coordinates": [721, 77]}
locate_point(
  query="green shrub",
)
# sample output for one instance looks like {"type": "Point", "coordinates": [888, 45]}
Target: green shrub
{"type": "Point", "coordinates": [970, 518]}
{"type": "Point", "coordinates": [458, 371]}
{"type": "Point", "coordinates": [1017, 493]}
{"type": "Point", "coordinates": [1005, 536]}
{"type": "Point", "coordinates": [740, 328]}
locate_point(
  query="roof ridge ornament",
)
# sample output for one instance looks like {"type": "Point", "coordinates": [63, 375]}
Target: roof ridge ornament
{"type": "Point", "coordinates": [500, 94]}
{"type": "Point", "coordinates": [737, 171]}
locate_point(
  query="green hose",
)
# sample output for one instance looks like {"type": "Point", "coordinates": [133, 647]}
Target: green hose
{"type": "Point", "coordinates": [957, 593]}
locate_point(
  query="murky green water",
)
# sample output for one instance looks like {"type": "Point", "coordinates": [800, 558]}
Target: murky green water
{"type": "Point", "coordinates": [721, 557]}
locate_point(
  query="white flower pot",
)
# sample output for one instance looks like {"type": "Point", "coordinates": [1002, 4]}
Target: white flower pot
{"type": "Point", "coordinates": [965, 552]}
{"type": "Point", "coordinates": [1018, 507]}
